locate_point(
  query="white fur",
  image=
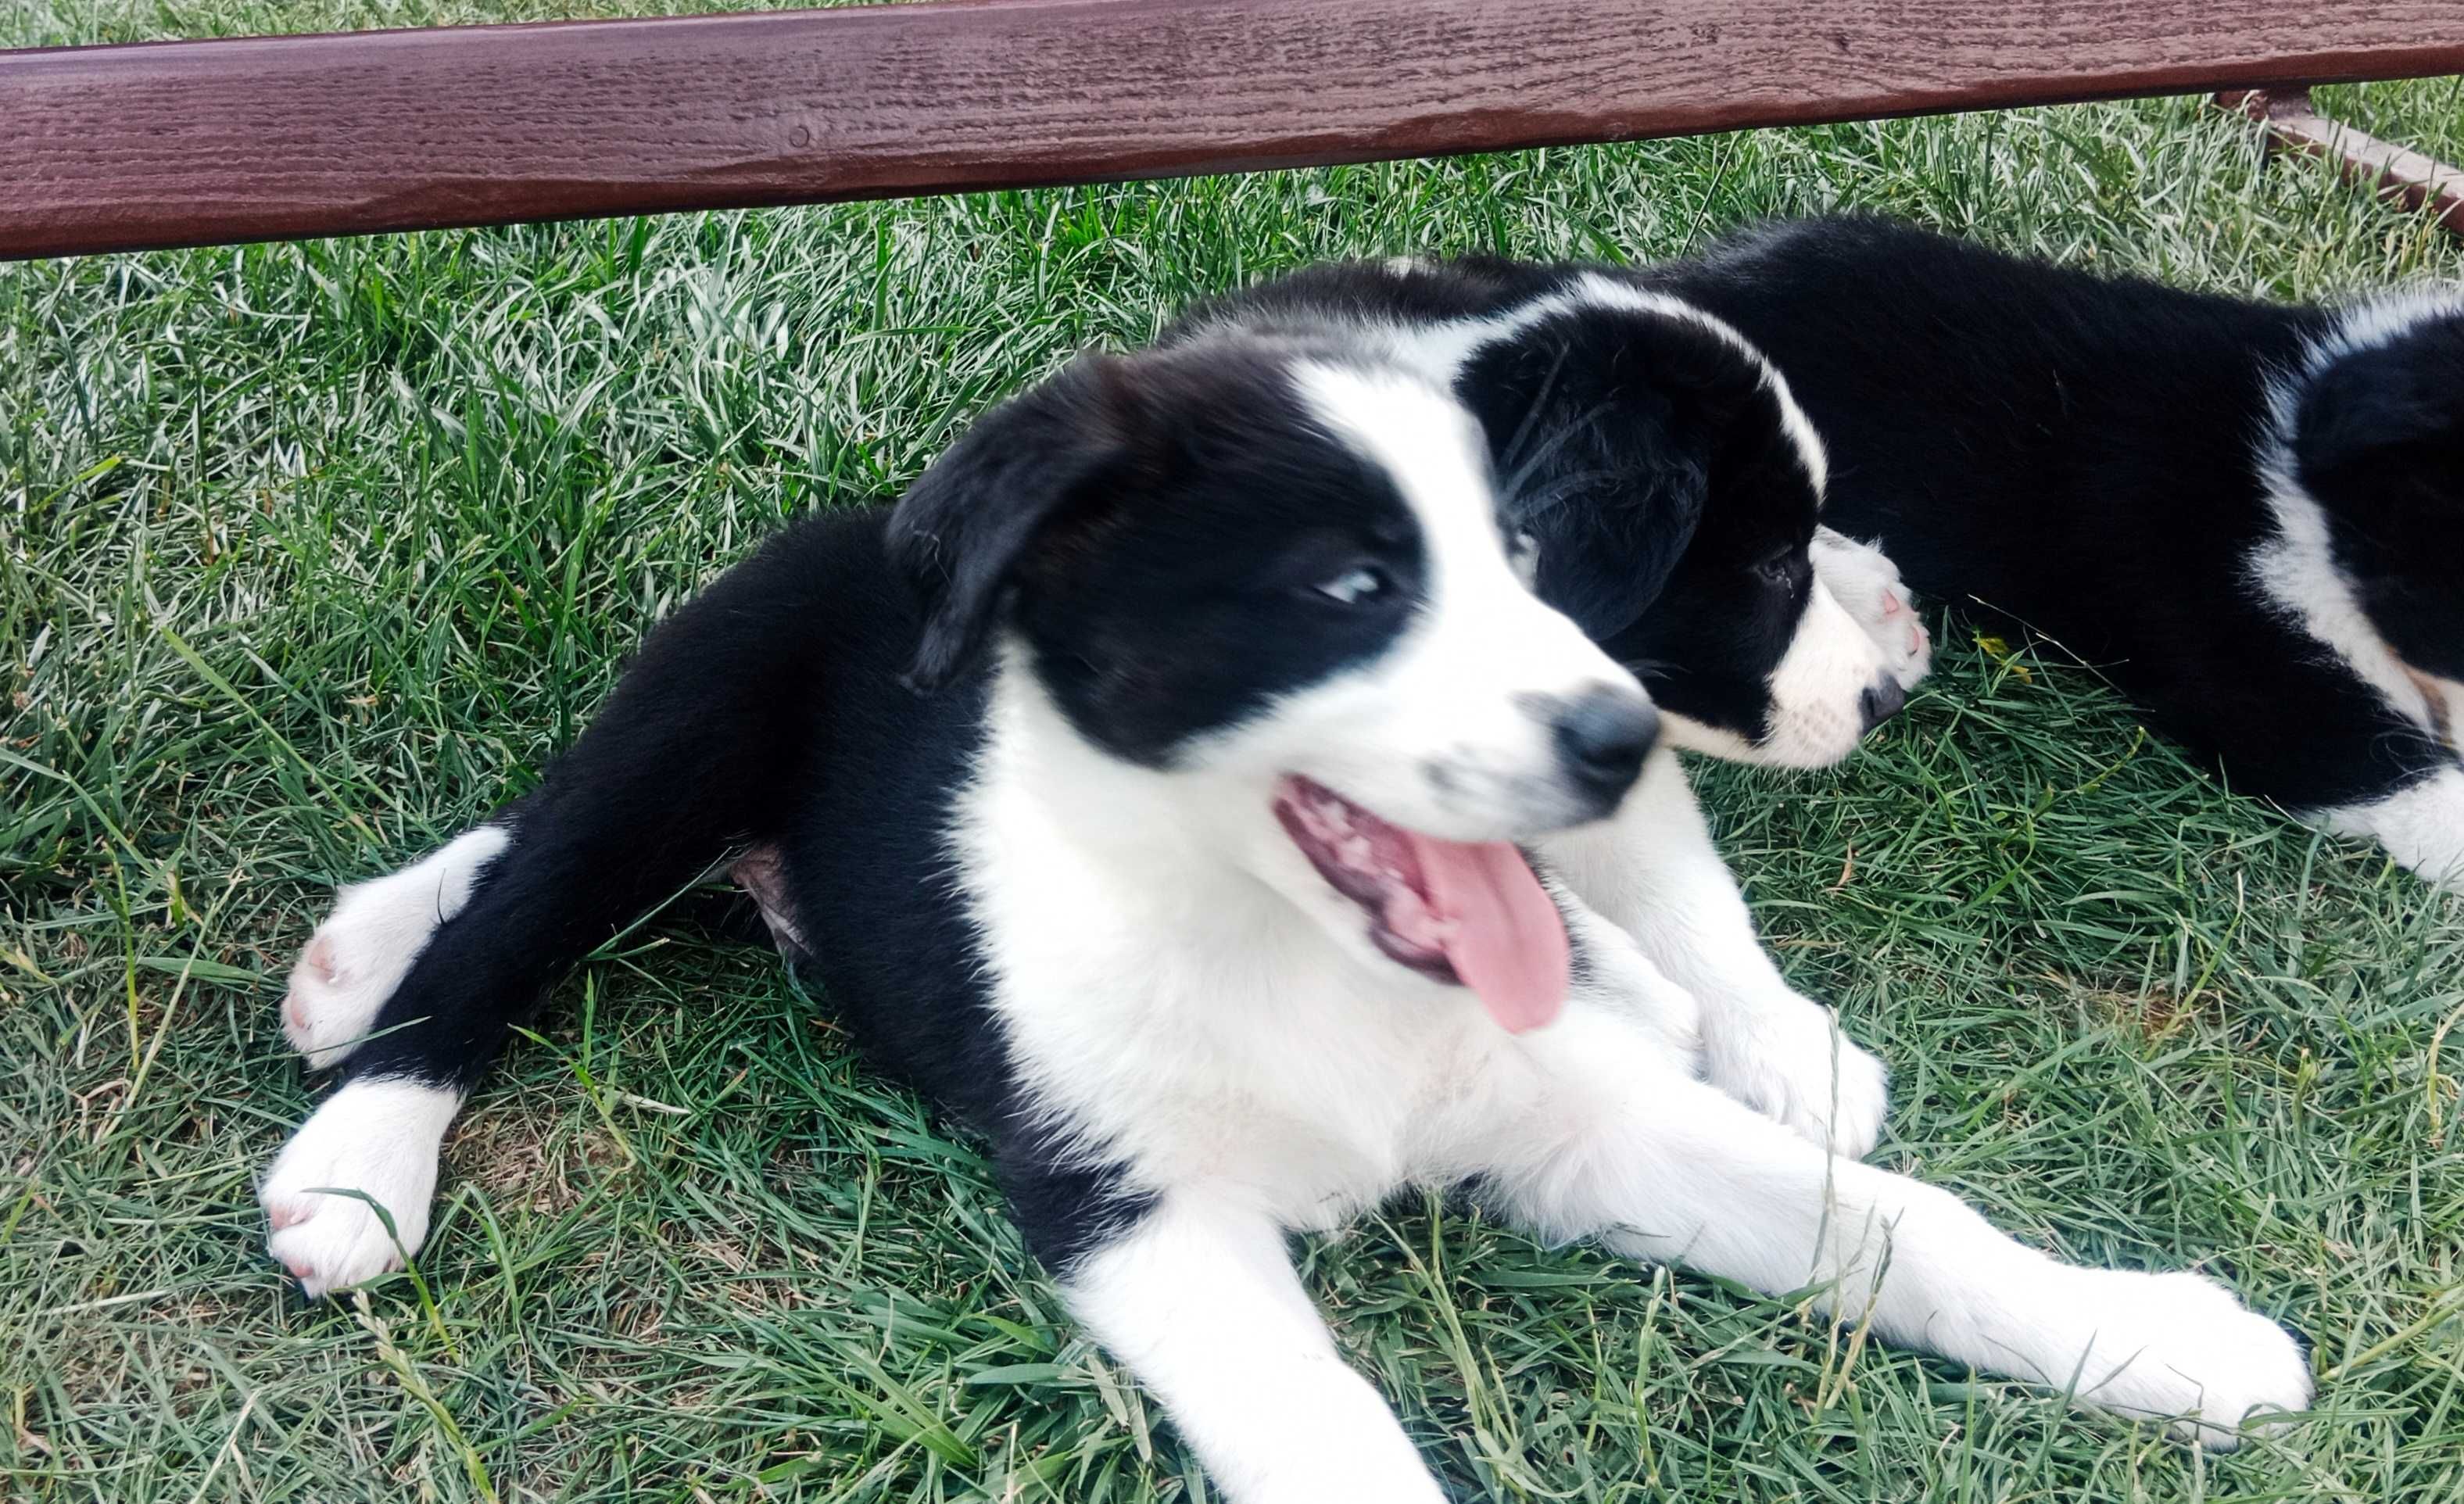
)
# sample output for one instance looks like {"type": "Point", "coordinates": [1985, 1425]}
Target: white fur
{"type": "Point", "coordinates": [1183, 998]}
{"type": "Point", "coordinates": [1261, 1082]}
{"type": "Point", "coordinates": [2421, 826]}
{"type": "Point", "coordinates": [366, 946]}
{"type": "Point", "coordinates": [378, 1136]}
{"type": "Point", "coordinates": [1653, 873]}
{"type": "Point", "coordinates": [1658, 1166]}
{"type": "Point", "coordinates": [1201, 1303]}
{"type": "Point", "coordinates": [1817, 689]}
{"type": "Point", "coordinates": [2295, 570]}
{"type": "Point", "coordinates": [1816, 695]}
{"type": "Point", "coordinates": [2382, 321]}
{"type": "Point", "coordinates": [1867, 586]}
{"type": "Point", "coordinates": [1448, 730]}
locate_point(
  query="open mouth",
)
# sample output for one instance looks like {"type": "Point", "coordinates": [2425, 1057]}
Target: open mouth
{"type": "Point", "coordinates": [1469, 913]}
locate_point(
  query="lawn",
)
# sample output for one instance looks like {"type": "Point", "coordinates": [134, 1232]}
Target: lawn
{"type": "Point", "coordinates": [311, 554]}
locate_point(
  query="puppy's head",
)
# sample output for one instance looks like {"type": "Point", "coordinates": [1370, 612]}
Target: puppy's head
{"type": "Point", "coordinates": [1276, 574]}
{"type": "Point", "coordinates": [1672, 487]}
{"type": "Point", "coordinates": [2378, 442]}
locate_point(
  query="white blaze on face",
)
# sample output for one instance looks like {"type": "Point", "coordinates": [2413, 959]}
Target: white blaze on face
{"type": "Point", "coordinates": [1817, 697]}
{"type": "Point", "coordinates": [1449, 731]}
{"type": "Point", "coordinates": [1818, 691]}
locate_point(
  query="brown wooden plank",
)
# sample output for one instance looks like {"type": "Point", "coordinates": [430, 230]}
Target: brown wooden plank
{"type": "Point", "coordinates": [186, 142]}
{"type": "Point", "coordinates": [2411, 178]}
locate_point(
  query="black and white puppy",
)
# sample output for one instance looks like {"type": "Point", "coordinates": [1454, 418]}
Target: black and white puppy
{"type": "Point", "coordinates": [1671, 492]}
{"type": "Point", "coordinates": [2250, 516]}
{"type": "Point", "coordinates": [1147, 789]}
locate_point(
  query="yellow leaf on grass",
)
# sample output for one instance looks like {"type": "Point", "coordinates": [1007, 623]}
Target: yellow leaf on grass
{"type": "Point", "coordinates": [2000, 652]}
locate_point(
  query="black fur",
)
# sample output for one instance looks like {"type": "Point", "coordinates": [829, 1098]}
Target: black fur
{"type": "Point", "coordinates": [2079, 456]}
{"type": "Point", "coordinates": [1642, 454]}
{"type": "Point", "coordinates": [1648, 459]}
{"type": "Point", "coordinates": [1153, 529]}
{"type": "Point", "coordinates": [2380, 442]}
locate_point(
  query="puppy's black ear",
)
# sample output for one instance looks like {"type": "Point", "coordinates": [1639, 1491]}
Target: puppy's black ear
{"type": "Point", "coordinates": [1609, 431]}
{"type": "Point", "coordinates": [2380, 432]}
{"type": "Point", "coordinates": [959, 534]}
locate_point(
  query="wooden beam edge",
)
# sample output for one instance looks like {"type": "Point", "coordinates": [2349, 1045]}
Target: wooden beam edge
{"type": "Point", "coordinates": [218, 142]}
{"type": "Point", "coordinates": [2412, 179]}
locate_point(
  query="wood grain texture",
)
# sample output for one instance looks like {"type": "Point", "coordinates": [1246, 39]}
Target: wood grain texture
{"type": "Point", "coordinates": [190, 143]}
{"type": "Point", "coordinates": [2411, 178]}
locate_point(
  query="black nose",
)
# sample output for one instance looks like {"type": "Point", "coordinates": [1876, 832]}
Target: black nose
{"type": "Point", "coordinates": [1881, 702]}
{"type": "Point", "coordinates": [1603, 735]}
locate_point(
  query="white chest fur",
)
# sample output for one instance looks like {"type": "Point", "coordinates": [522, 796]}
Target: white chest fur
{"type": "Point", "coordinates": [1175, 1014]}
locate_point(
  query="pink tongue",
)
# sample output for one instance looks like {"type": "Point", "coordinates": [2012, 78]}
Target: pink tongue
{"type": "Point", "coordinates": [1507, 942]}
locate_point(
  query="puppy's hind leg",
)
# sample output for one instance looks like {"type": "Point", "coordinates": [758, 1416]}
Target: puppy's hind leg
{"type": "Point", "coordinates": [377, 1137]}
{"type": "Point", "coordinates": [366, 946]}
{"type": "Point", "coordinates": [417, 980]}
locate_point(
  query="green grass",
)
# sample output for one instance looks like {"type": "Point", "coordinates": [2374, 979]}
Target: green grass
{"type": "Point", "coordinates": [309, 554]}
{"type": "Point", "coordinates": [2428, 117]}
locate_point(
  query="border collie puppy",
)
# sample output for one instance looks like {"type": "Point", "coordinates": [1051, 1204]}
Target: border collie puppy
{"type": "Point", "coordinates": [1668, 492]}
{"type": "Point", "coordinates": [1149, 786]}
{"type": "Point", "coordinates": [2250, 516]}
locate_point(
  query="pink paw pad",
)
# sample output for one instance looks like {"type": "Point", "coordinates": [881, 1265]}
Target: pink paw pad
{"type": "Point", "coordinates": [319, 958]}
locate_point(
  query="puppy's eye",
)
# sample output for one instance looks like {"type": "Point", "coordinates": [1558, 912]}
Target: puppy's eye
{"type": "Point", "coordinates": [1359, 584]}
{"type": "Point", "coordinates": [1523, 556]}
{"type": "Point", "coordinates": [1780, 568]}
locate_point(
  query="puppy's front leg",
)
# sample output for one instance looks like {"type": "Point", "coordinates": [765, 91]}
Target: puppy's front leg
{"type": "Point", "coordinates": [1653, 873]}
{"type": "Point", "coordinates": [1666, 1168]}
{"type": "Point", "coordinates": [1199, 1299]}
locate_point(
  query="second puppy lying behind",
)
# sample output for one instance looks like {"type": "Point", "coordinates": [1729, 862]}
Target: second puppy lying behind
{"type": "Point", "coordinates": [2250, 514]}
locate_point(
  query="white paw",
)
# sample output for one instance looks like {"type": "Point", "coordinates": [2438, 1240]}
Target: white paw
{"type": "Point", "coordinates": [366, 946]}
{"type": "Point", "coordinates": [1867, 584]}
{"type": "Point", "coordinates": [2183, 1348]}
{"type": "Point", "coordinates": [1791, 1063]}
{"type": "Point", "coordinates": [2422, 827]}
{"type": "Point", "coordinates": [377, 1137]}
